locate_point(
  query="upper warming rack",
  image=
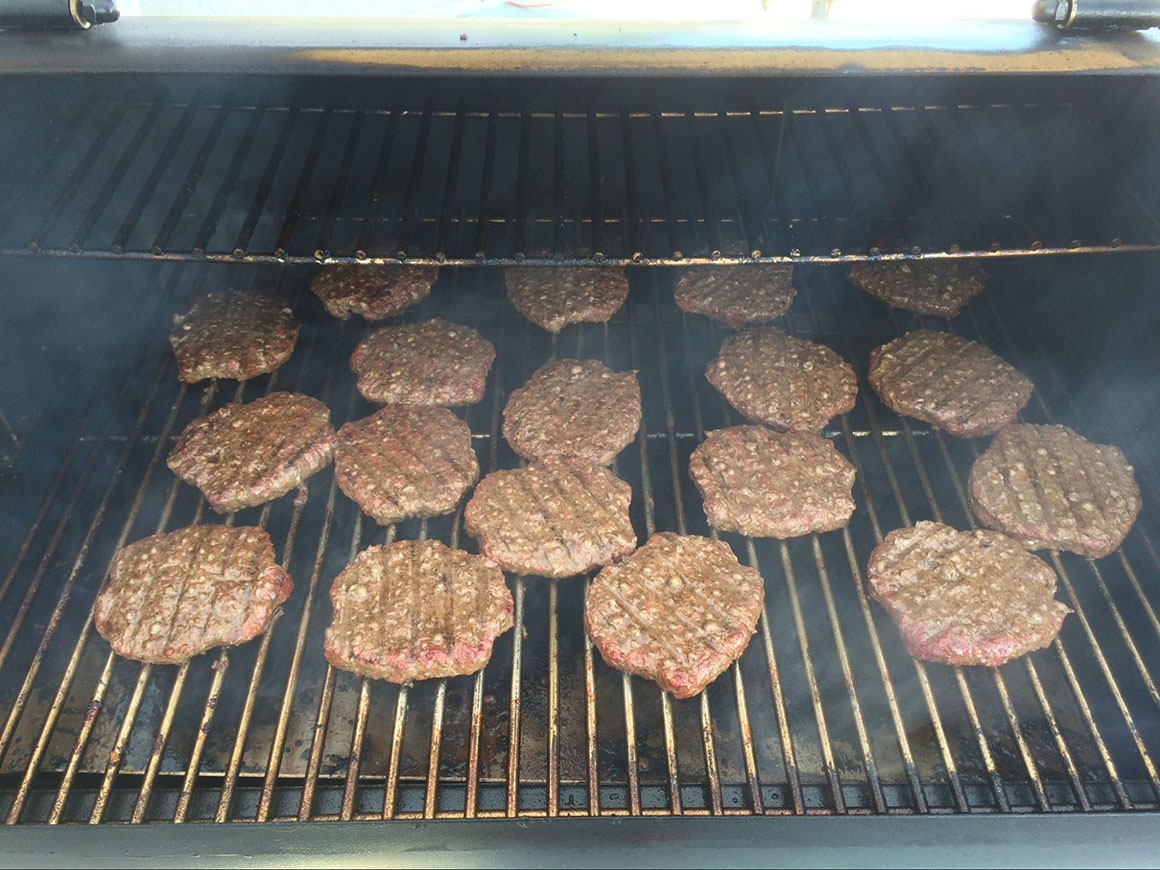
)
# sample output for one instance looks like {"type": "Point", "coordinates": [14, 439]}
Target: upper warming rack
{"type": "Point", "coordinates": [280, 174]}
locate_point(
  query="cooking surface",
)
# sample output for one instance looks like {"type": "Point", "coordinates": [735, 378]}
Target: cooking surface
{"type": "Point", "coordinates": [824, 713]}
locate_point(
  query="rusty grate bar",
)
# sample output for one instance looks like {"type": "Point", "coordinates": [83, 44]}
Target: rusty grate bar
{"type": "Point", "coordinates": [823, 714]}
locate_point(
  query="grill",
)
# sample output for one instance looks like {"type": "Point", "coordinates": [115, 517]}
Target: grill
{"type": "Point", "coordinates": [825, 713]}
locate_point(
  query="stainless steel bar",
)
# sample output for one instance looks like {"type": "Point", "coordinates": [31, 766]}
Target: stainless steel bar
{"type": "Point", "coordinates": [357, 739]}
{"type": "Point", "coordinates": [595, 198]}
{"type": "Point", "coordinates": [305, 177]}
{"type": "Point", "coordinates": [632, 220]}
{"type": "Point", "coordinates": [411, 202]}
{"type": "Point", "coordinates": [229, 179]}
{"type": "Point", "coordinates": [17, 707]}
{"type": "Point", "coordinates": [262, 192]}
{"type": "Point", "coordinates": [450, 184]}
{"type": "Point", "coordinates": [558, 182]}
{"type": "Point", "coordinates": [553, 701]}
{"type": "Point", "coordinates": [192, 179]}
{"type": "Point", "coordinates": [375, 193]}
{"type": "Point", "coordinates": [149, 187]}
{"type": "Point", "coordinates": [485, 184]}
{"type": "Point", "coordinates": [668, 188]}
{"type": "Point", "coordinates": [341, 186]}
{"type": "Point", "coordinates": [77, 176]}
{"type": "Point", "coordinates": [116, 176]}
{"type": "Point", "coordinates": [513, 767]}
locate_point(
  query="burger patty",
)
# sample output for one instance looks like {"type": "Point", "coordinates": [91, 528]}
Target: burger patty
{"type": "Point", "coordinates": [965, 598]}
{"type": "Point", "coordinates": [953, 383]}
{"type": "Point", "coordinates": [232, 334]}
{"type": "Point", "coordinates": [375, 292]}
{"type": "Point", "coordinates": [430, 363]}
{"type": "Point", "coordinates": [678, 611]}
{"type": "Point", "coordinates": [552, 298]}
{"type": "Point", "coordinates": [1047, 486]}
{"type": "Point", "coordinates": [175, 595]}
{"type": "Point", "coordinates": [416, 610]}
{"type": "Point", "coordinates": [244, 455]}
{"type": "Point", "coordinates": [772, 484]}
{"type": "Point", "coordinates": [573, 408]}
{"type": "Point", "coordinates": [553, 518]}
{"type": "Point", "coordinates": [938, 288]}
{"type": "Point", "coordinates": [405, 461]}
{"type": "Point", "coordinates": [736, 295]}
{"type": "Point", "coordinates": [785, 382]}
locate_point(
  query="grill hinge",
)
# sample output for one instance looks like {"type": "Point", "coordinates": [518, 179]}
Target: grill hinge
{"type": "Point", "coordinates": [56, 14]}
{"type": "Point", "coordinates": [1098, 14]}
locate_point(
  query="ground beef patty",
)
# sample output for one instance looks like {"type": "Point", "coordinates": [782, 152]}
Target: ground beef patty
{"type": "Point", "coordinates": [678, 611]}
{"type": "Point", "coordinates": [785, 382]}
{"type": "Point", "coordinates": [573, 407]}
{"type": "Point", "coordinates": [175, 595]}
{"type": "Point", "coordinates": [552, 297]}
{"type": "Point", "coordinates": [772, 484]}
{"type": "Point", "coordinates": [1047, 486]}
{"type": "Point", "coordinates": [405, 461]}
{"type": "Point", "coordinates": [939, 288]}
{"type": "Point", "coordinates": [965, 598]}
{"type": "Point", "coordinates": [374, 292]}
{"type": "Point", "coordinates": [244, 455]}
{"type": "Point", "coordinates": [953, 383]}
{"type": "Point", "coordinates": [232, 334]}
{"type": "Point", "coordinates": [416, 610]}
{"type": "Point", "coordinates": [736, 295]}
{"type": "Point", "coordinates": [553, 518]}
{"type": "Point", "coordinates": [430, 363]}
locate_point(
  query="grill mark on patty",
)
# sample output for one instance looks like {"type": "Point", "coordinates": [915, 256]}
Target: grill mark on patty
{"type": "Point", "coordinates": [527, 486]}
{"type": "Point", "coordinates": [1092, 483]}
{"type": "Point", "coordinates": [645, 627]}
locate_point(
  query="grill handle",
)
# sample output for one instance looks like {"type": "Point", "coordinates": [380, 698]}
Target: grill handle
{"type": "Point", "coordinates": [56, 14]}
{"type": "Point", "coordinates": [1098, 14]}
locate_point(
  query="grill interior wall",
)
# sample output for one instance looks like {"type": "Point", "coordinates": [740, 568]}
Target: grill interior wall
{"type": "Point", "coordinates": [824, 713]}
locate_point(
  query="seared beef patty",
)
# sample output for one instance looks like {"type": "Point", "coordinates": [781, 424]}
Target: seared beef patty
{"type": "Point", "coordinates": [736, 295]}
{"type": "Point", "coordinates": [232, 334]}
{"type": "Point", "coordinates": [934, 287]}
{"type": "Point", "coordinates": [375, 292]}
{"type": "Point", "coordinates": [553, 297]}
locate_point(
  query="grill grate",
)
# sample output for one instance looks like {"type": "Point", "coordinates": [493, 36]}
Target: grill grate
{"type": "Point", "coordinates": [821, 176]}
{"type": "Point", "coordinates": [825, 713]}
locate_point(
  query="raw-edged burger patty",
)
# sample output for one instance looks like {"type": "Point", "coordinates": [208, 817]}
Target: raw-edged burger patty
{"type": "Point", "coordinates": [965, 598]}
{"type": "Point", "coordinates": [785, 382]}
{"type": "Point", "coordinates": [736, 295]}
{"type": "Point", "coordinates": [434, 362]}
{"type": "Point", "coordinates": [405, 461]}
{"type": "Point", "coordinates": [232, 334]}
{"type": "Point", "coordinates": [416, 610]}
{"type": "Point", "coordinates": [678, 611]}
{"type": "Point", "coordinates": [951, 382]}
{"type": "Point", "coordinates": [772, 484]}
{"type": "Point", "coordinates": [1047, 486]}
{"type": "Point", "coordinates": [934, 287]}
{"type": "Point", "coordinates": [553, 297]}
{"type": "Point", "coordinates": [553, 518]}
{"type": "Point", "coordinates": [173, 596]}
{"type": "Point", "coordinates": [576, 408]}
{"type": "Point", "coordinates": [375, 292]}
{"type": "Point", "coordinates": [243, 455]}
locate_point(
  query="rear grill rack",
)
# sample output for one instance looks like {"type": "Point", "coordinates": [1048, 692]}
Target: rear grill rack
{"type": "Point", "coordinates": [432, 181]}
{"type": "Point", "coordinates": [824, 714]}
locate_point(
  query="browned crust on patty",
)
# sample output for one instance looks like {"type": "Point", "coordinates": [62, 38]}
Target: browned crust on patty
{"type": "Point", "coordinates": [573, 408]}
{"type": "Point", "coordinates": [405, 461]}
{"type": "Point", "coordinates": [939, 288]}
{"type": "Point", "coordinates": [1048, 486]}
{"type": "Point", "coordinates": [434, 362]}
{"type": "Point", "coordinates": [678, 611]}
{"type": "Point", "coordinates": [174, 595]}
{"type": "Point", "coordinates": [965, 598]}
{"type": "Point", "coordinates": [772, 484]}
{"type": "Point", "coordinates": [554, 297]}
{"type": "Point", "coordinates": [416, 610]}
{"type": "Point", "coordinates": [783, 381]}
{"type": "Point", "coordinates": [232, 334]}
{"type": "Point", "coordinates": [552, 518]}
{"type": "Point", "coordinates": [958, 385]}
{"type": "Point", "coordinates": [736, 295]}
{"type": "Point", "coordinates": [375, 292]}
{"type": "Point", "coordinates": [243, 455]}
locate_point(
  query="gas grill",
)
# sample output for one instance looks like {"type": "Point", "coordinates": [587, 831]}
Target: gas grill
{"type": "Point", "coordinates": [123, 197]}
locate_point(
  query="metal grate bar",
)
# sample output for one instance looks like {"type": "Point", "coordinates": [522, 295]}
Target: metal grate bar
{"type": "Point", "coordinates": [229, 179]}
{"type": "Point", "coordinates": [375, 194]}
{"type": "Point", "coordinates": [411, 203]}
{"type": "Point", "coordinates": [266, 184]}
{"type": "Point", "coordinates": [341, 186]}
{"type": "Point", "coordinates": [192, 178]}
